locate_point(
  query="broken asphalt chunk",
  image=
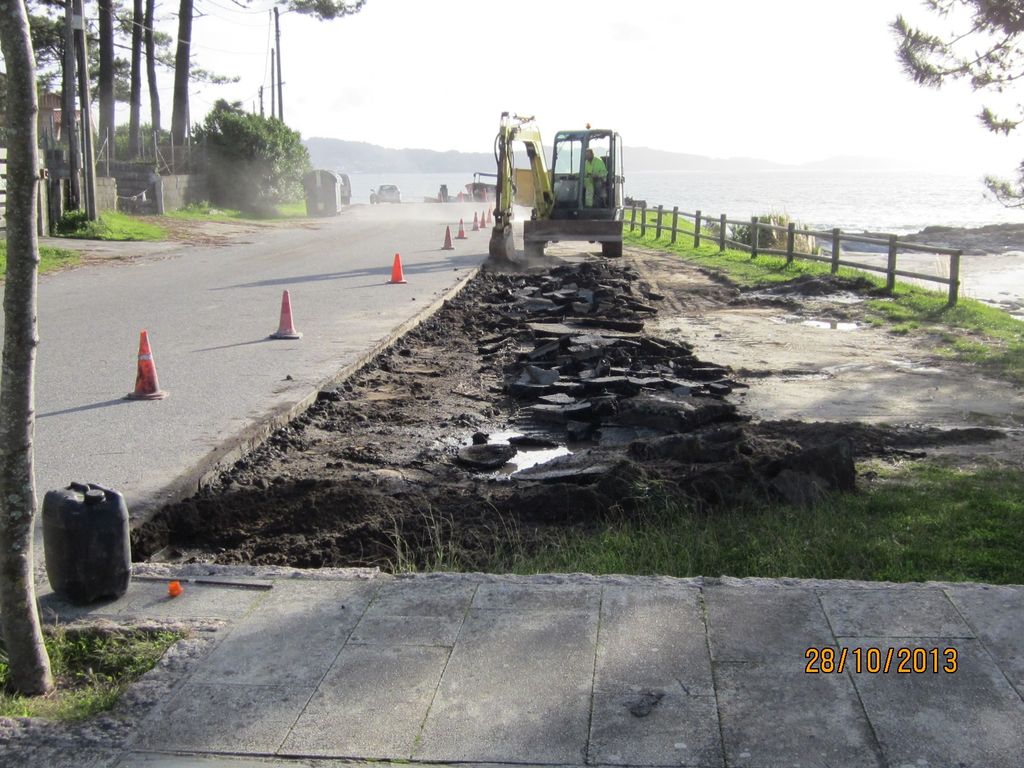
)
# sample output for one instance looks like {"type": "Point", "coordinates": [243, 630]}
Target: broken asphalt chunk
{"type": "Point", "coordinates": [486, 457]}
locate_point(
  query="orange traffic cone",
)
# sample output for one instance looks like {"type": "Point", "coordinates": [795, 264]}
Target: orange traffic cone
{"type": "Point", "coordinates": [147, 387]}
{"type": "Point", "coordinates": [397, 275]}
{"type": "Point", "coordinates": [286, 327]}
{"type": "Point", "coordinates": [490, 219]}
{"type": "Point", "coordinates": [483, 219]}
{"type": "Point", "coordinates": [174, 589]}
{"type": "Point", "coordinates": [476, 224]}
{"type": "Point", "coordinates": [447, 240]}
{"type": "Point", "coordinates": [462, 231]}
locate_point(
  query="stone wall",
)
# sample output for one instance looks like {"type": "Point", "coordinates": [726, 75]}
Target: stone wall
{"type": "Point", "coordinates": [181, 190]}
{"type": "Point", "coordinates": [106, 194]}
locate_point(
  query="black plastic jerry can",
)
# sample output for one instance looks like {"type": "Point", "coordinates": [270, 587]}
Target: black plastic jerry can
{"type": "Point", "coordinates": [86, 543]}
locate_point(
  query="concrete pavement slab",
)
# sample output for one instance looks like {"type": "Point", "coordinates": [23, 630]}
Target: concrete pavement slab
{"type": "Point", "coordinates": [774, 714]}
{"type": "Point", "coordinates": [971, 717]}
{"type": "Point", "coordinates": [224, 718]}
{"type": "Point", "coordinates": [518, 683]}
{"type": "Point", "coordinates": [521, 595]}
{"type": "Point", "coordinates": [653, 692]}
{"type": "Point", "coordinates": [371, 703]}
{"type": "Point", "coordinates": [416, 612]}
{"type": "Point", "coordinates": [763, 622]}
{"type": "Point", "coordinates": [653, 639]}
{"type": "Point", "coordinates": [652, 726]}
{"type": "Point", "coordinates": [896, 611]}
{"type": "Point", "coordinates": [994, 613]}
{"type": "Point", "coordinates": [149, 598]}
{"type": "Point", "coordinates": [293, 637]}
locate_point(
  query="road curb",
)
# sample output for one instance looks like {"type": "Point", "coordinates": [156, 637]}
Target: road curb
{"type": "Point", "coordinates": [233, 448]}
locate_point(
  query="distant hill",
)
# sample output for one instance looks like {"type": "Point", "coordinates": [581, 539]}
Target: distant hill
{"type": "Point", "coordinates": [646, 159]}
{"type": "Point", "coordinates": [362, 157]}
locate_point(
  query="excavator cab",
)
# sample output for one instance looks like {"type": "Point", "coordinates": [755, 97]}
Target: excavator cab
{"type": "Point", "coordinates": [576, 196]}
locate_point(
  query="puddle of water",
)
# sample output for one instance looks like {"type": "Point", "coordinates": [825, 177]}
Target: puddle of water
{"type": "Point", "coordinates": [531, 457]}
{"type": "Point", "coordinates": [526, 457]}
{"type": "Point", "coordinates": [828, 325]}
{"type": "Point", "coordinates": [831, 325]}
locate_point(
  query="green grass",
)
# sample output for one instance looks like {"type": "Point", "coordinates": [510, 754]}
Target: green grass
{"type": "Point", "coordinates": [110, 225]}
{"type": "Point", "coordinates": [49, 258]}
{"type": "Point", "coordinates": [204, 211]}
{"type": "Point", "coordinates": [92, 668]}
{"type": "Point", "coordinates": [971, 331]}
{"type": "Point", "coordinates": [915, 524]}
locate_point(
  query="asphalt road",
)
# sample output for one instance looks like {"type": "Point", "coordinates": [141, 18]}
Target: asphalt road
{"type": "Point", "coordinates": [209, 311]}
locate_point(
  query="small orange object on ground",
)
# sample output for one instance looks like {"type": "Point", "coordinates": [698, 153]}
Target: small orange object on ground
{"type": "Point", "coordinates": [174, 589]}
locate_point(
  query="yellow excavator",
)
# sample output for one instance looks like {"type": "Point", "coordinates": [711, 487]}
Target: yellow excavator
{"type": "Point", "coordinates": [568, 202]}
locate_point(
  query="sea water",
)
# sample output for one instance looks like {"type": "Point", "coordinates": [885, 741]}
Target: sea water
{"type": "Point", "coordinates": [890, 201]}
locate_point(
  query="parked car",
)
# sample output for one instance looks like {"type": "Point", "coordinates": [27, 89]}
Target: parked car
{"type": "Point", "coordinates": [386, 193]}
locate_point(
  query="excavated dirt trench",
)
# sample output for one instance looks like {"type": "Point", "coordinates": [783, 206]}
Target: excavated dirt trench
{"type": "Point", "coordinates": [525, 406]}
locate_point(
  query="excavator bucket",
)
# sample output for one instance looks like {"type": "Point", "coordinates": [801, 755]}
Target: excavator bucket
{"type": "Point", "coordinates": [502, 251]}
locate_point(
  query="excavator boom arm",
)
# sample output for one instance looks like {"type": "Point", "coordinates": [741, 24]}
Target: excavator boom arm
{"type": "Point", "coordinates": [524, 130]}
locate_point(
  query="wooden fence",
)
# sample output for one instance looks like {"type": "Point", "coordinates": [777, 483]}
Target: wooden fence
{"type": "Point", "coordinates": [893, 244]}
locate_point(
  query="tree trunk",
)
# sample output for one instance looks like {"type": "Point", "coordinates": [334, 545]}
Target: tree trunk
{"type": "Point", "coordinates": [134, 124]}
{"type": "Point", "coordinates": [69, 118]}
{"type": "Point", "coordinates": [29, 664]}
{"type": "Point", "coordinates": [106, 76]}
{"type": "Point", "coordinates": [154, 94]}
{"type": "Point", "coordinates": [179, 115]}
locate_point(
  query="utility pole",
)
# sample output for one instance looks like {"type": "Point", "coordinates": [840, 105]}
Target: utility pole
{"type": "Point", "coordinates": [273, 85]}
{"type": "Point", "coordinates": [280, 82]}
{"type": "Point", "coordinates": [69, 105]}
{"type": "Point", "coordinates": [89, 159]}
{"type": "Point", "coordinates": [261, 101]}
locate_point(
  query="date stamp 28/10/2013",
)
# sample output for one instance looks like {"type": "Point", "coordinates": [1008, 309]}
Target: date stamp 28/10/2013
{"type": "Point", "coordinates": [877, 660]}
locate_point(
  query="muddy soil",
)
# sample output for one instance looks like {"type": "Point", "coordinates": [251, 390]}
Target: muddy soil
{"type": "Point", "coordinates": [594, 390]}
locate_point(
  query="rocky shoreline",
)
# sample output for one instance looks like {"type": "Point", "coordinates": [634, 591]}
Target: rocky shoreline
{"type": "Point", "coordinates": [975, 241]}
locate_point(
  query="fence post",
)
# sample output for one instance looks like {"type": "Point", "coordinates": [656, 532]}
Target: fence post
{"type": "Point", "coordinates": [657, 227]}
{"type": "Point", "coordinates": [632, 218]}
{"type": "Point", "coordinates": [753, 236]}
{"type": "Point", "coordinates": [890, 269]}
{"type": "Point", "coordinates": [643, 220]}
{"type": "Point", "coordinates": [675, 222]}
{"type": "Point", "coordinates": [954, 278]}
{"type": "Point", "coordinates": [696, 230]}
{"type": "Point", "coordinates": [835, 250]}
{"type": "Point", "coordinates": [721, 232]}
{"type": "Point", "coordinates": [891, 264]}
{"type": "Point", "coordinates": [790, 242]}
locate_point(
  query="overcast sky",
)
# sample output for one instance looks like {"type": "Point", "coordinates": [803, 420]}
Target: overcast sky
{"type": "Point", "coordinates": [790, 81]}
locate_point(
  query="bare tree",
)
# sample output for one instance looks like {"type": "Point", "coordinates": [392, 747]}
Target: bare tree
{"type": "Point", "coordinates": [986, 52]}
{"type": "Point", "coordinates": [135, 100]}
{"type": "Point", "coordinates": [106, 74]}
{"type": "Point", "coordinates": [179, 111]}
{"type": "Point", "coordinates": [29, 664]}
{"type": "Point", "coordinates": [154, 94]}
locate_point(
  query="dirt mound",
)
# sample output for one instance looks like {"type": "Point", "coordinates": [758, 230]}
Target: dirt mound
{"type": "Point", "coordinates": [818, 285]}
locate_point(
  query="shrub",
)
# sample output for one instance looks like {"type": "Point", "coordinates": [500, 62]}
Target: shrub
{"type": "Point", "coordinates": [772, 238]}
{"type": "Point", "coordinates": [254, 162]}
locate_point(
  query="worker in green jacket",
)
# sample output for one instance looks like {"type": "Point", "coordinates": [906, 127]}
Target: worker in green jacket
{"type": "Point", "coordinates": [595, 174]}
